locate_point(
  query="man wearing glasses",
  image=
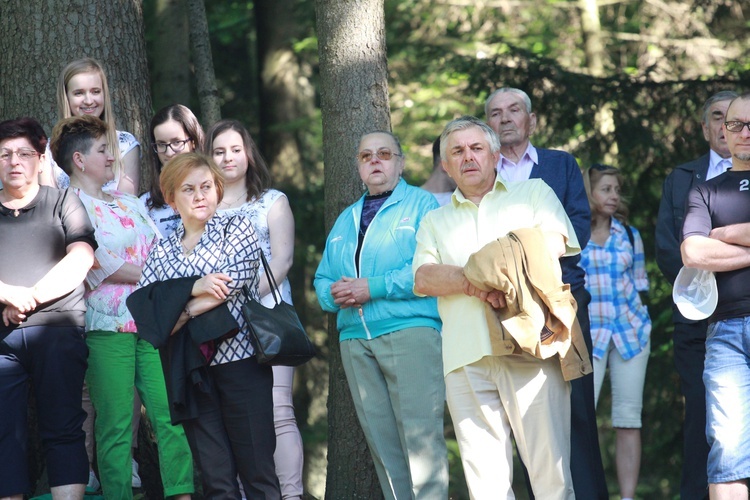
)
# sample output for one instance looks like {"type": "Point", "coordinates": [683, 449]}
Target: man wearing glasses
{"type": "Point", "coordinates": [508, 112]}
{"type": "Point", "coordinates": [716, 237]}
{"type": "Point", "coordinates": [689, 337]}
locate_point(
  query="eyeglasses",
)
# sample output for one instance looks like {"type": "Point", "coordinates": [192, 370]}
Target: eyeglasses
{"type": "Point", "coordinates": [383, 154]}
{"type": "Point", "coordinates": [736, 126]}
{"type": "Point", "coordinates": [23, 154]}
{"type": "Point", "coordinates": [175, 146]}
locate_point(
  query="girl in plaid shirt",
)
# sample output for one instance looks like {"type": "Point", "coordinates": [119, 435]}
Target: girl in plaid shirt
{"type": "Point", "coordinates": [620, 325]}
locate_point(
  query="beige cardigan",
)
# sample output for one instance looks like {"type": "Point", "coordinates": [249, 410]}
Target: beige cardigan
{"type": "Point", "coordinates": [540, 315]}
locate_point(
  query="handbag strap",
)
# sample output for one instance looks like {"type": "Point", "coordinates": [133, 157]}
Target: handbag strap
{"type": "Point", "coordinates": [271, 280]}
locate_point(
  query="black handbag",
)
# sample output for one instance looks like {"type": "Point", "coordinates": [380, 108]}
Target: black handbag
{"type": "Point", "coordinates": [277, 335]}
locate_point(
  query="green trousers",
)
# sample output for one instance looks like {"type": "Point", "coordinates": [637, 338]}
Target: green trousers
{"type": "Point", "coordinates": [117, 363]}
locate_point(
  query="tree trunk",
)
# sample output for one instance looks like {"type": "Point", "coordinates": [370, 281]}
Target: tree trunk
{"type": "Point", "coordinates": [354, 100]}
{"type": "Point", "coordinates": [208, 94]}
{"type": "Point", "coordinates": [37, 39]}
{"type": "Point", "coordinates": [170, 54]}
{"type": "Point", "coordinates": [285, 92]}
{"type": "Point", "coordinates": [595, 56]}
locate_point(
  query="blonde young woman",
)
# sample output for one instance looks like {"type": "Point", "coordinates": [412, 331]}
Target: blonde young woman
{"type": "Point", "coordinates": [82, 90]}
{"type": "Point", "coordinates": [247, 190]}
{"type": "Point", "coordinates": [119, 362]}
{"type": "Point", "coordinates": [620, 326]}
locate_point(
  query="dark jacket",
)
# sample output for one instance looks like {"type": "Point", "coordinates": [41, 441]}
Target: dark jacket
{"type": "Point", "coordinates": [155, 309]}
{"type": "Point", "coordinates": [675, 191]}
{"type": "Point", "coordinates": [561, 172]}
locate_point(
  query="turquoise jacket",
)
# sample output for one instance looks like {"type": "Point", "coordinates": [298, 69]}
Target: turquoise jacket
{"type": "Point", "coordinates": [385, 260]}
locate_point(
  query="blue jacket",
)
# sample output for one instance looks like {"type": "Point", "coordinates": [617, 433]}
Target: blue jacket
{"type": "Point", "coordinates": [385, 260]}
{"type": "Point", "coordinates": [561, 172]}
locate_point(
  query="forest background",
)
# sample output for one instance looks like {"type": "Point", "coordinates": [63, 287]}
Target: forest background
{"type": "Point", "coordinates": [615, 81]}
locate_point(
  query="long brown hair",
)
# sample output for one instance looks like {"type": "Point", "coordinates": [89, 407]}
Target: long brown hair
{"type": "Point", "coordinates": [257, 178]}
{"type": "Point", "coordinates": [192, 128]}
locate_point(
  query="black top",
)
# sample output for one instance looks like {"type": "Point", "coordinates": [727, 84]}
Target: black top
{"type": "Point", "coordinates": [722, 201]}
{"type": "Point", "coordinates": [33, 242]}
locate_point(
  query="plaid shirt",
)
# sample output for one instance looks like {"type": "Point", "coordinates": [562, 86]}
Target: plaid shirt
{"type": "Point", "coordinates": [228, 245]}
{"type": "Point", "coordinates": [615, 273]}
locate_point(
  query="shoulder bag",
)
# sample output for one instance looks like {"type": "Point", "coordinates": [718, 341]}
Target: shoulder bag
{"type": "Point", "coordinates": [277, 335]}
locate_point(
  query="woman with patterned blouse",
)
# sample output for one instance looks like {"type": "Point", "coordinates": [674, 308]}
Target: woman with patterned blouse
{"type": "Point", "coordinates": [247, 189]}
{"type": "Point", "coordinates": [232, 432]}
{"type": "Point", "coordinates": [118, 359]}
{"type": "Point", "coordinates": [620, 326]}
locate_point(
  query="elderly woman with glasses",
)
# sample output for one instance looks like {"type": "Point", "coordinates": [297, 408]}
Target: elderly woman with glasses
{"type": "Point", "coordinates": [389, 338]}
{"type": "Point", "coordinates": [48, 246]}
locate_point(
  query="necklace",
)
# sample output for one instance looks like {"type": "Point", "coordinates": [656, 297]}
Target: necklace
{"type": "Point", "coordinates": [186, 252]}
{"type": "Point", "coordinates": [231, 204]}
{"type": "Point", "coordinates": [16, 210]}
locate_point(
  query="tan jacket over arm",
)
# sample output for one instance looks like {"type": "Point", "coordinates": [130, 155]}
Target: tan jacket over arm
{"type": "Point", "coordinates": [540, 315]}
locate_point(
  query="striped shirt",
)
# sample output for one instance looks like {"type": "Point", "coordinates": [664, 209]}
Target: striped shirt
{"type": "Point", "coordinates": [615, 273]}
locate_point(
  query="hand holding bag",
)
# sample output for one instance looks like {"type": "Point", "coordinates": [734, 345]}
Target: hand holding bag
{"type": "Point", "coordinates": [277, 335]}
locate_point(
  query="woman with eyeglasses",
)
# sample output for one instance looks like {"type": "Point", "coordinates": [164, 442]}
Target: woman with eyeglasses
{"type": "Point", "coordinates": [247, 189]}
{"type": "Point", "coordinates": [174, 130]}
{"type": "Point", "coordinates": [389, 338]}
{"type": "Point", "coordinates": [82, 90]}
{"type": "Point", "coordinates": [620, 326]}
{"type": "Point", "coordinates": [48, 247]}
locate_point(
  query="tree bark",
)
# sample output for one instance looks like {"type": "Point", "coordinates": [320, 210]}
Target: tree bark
{"type": "Point", "coordinates": [170, 54]}
{"type": "Point", "coordinates": [286, 93]}
{"type": "Point", "coordinates": [208, 94]}
{"type": "Point", "coordinates": [595, 57]}
{"type": "Point", "coordinates": [354, 100]}
{"type": "Point", "coordinates": [38, 39]}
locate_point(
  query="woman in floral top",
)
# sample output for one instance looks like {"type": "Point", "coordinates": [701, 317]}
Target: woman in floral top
{"type": "Point", "coordinates": [118, 359]}
{"type": "Point", "coordinates": [620, 326]}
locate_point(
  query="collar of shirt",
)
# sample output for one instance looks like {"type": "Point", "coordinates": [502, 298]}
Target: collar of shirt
{"type": "Point", "coordinates": [714, 161]}
{"type": "Point", "coordinates": [458, 197]}
{"type": "Point", "coordinates": [514, 172]}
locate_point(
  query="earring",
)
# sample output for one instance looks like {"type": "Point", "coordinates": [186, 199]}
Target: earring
{"type": "Point", "coordinates": [83, 169]}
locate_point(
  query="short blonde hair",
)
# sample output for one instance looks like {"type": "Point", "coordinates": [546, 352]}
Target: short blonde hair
{"type": "Point", "coordinates": [176, 169]}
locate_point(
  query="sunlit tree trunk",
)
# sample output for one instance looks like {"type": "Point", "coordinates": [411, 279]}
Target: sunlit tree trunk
{"type": "Point", "coordinates": [286, 94]}
{"type": "Point", "coordinates": [37, 39]}
{"type": "Point", "coordinates": [208, 94]}
{"type": "Point", "coordinates": [354, 100]}
{"type": "Point", "coordinates": [595, 57]}
{"type": "Point", "coordinates": [170, 54]}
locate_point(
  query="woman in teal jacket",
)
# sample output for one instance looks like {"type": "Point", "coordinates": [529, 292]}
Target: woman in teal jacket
{"type": "Point", "coordinates": [390, 338]}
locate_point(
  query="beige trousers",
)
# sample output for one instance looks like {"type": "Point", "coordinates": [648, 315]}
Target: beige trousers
{"type": "Point", "coordinates": [518, 395]}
